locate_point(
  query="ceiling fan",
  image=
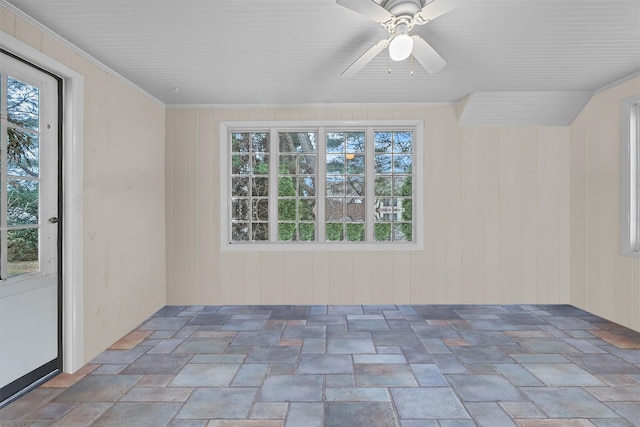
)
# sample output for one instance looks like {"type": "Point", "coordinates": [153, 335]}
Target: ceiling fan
{"type": "Point", "coordinates": [398, 17]}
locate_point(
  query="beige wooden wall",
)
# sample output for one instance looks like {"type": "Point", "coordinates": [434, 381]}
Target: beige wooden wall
{"type": "Point", "coordinates": [496, 220]}
{"type": "Point", "coordinates": [602, 281]}
{"type": "Point", "coordinates": [123, 195]}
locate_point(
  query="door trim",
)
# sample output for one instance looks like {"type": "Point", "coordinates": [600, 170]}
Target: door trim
{"type": "Point", "coordinates": [72, 198]}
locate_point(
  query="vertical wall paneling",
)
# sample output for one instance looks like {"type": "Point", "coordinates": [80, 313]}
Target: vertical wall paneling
{"type": "Point", "coordinates": [180, 207]}
{"type": "Point", "coordinates": [453, 205]}
{"type": "Point", "coordinates": [483, 194]}
{"type": "Point", "coordinates": [510, 279]}
{"type": "Point", "coordinates": [123, 193]}
{"type": "Point", "coordinates": [204, 212]}
{"type": "Point", "coordinates": [579, 213]}
{"type": "Point", "coordinates": [602, 281]}
{"type": "Point", "coordinates": [530, 193]}
{"type": "Point", "coordinates": [168, 182]}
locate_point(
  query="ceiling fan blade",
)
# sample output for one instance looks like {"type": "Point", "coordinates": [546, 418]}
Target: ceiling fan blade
{"type": "Point", "coordinates": [365, 58]}
{"type": "Point", "coordinates": [427, 56]}
{"type": "Point", "coordinates": [436, 8]}
{"type": "Point", "coordinates": [368, 8]}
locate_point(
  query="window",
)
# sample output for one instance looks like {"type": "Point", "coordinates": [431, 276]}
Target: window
{"type": "Point", "coordinates": [630, 177]}
{"type": "Point", "coordinates": [323, 184]}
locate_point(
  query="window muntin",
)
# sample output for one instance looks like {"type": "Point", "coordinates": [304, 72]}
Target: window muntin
{"type": "Point", "coordinates": [321, 185]}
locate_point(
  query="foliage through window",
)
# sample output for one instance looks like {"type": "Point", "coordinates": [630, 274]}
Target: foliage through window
{"type": "Point", "coordinates": [326, 184]}
{"type": "Point", "coordinates": [21, 175]}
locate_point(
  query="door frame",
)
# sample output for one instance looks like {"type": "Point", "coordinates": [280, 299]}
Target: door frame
{"type": "Point", "coordinates": [72, 184]}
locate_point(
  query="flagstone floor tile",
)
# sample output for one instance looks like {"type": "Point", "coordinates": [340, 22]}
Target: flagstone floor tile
{"type": "Point", "coordinates": [351, 365]}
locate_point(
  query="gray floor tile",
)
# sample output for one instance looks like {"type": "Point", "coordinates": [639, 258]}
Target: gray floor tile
{"type": "Point", "coordinates": [562, 375]}
{"type": "Point", "coordinates": [360, 414]}
{"type": "Point", "coordinates": [372, 365]}
{"type": "Point", "coordinates": [98, 388]}
{"type": "Point", "coordinates": [292, 388]}
{"type": "Point", "coordinates": [484, 388]}
{"type": "Point", "coordinates": [384, 375]}
{"type": "Point", "coordinates": [138, 414]}
{"type": "Point", "coordinates": [225, 403]}
{"type": "Point", "coordinates": [325, 364]}
{"type": "Point", "coordinates": [157, 364]}
{"type": "Point", "coordinates": [430, 403]}
{"type": "Point", "coordinates": [211, 375]}
{"type": "Point", "coordinates": [305, 414]}
{"type": "Point", "coordinates": [567, 403]}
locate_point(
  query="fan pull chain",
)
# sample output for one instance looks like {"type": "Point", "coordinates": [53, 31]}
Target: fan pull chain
{"type": "Point", "coordinates": [412, 65]}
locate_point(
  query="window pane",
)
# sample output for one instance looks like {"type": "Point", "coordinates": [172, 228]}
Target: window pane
{"type": "Point", "coordinates": [402, 163]}
{"type": "Point", "coordinates": [383, 142]}
{"type": "Point", "coordinates": [307, 186]}
{"type": "Point", "coordinates": [403, 142]}
{"type": "Point", "coordinates": [382, 163]}
{"type": "Point", "coordinates": [334, 209]}
{"type": "Point", "coordinates": [287, 165]}
{"type": "Point", "coordinates": [355, 164]}
{"type": "Point", "coordinates": [355, 232]}
{"type": "Point", "coordinates": [335, 186]}
{"type": "Point", "coordinates": [287, 231]}
{"type": "Point", "coordinates": [260, 164]}
{"type": "Point", "coordinates": [260, 187]}
{"type": "Point", "coordinates": [355, 186]}
{"type": "Point", "coordinates": [355, 210]}
{"type": "Point", "coordinates": [383, 186]}
{"type": "Point", "coordinates": [306, 209]}
{"type": "Point", "coordinates": [260, 142]}
{"type": "Point", "coordinates": [260, 209]}
{"type": "Point", "coordinates": [260, 231]}
{"type": "Point", "coordinates": [335, 164]}
{"type": "Point", "coordinates": [22, 202]}
{"type": "Point", "coordinates": [334, 231]}
{"type": "Point", "coordinates": [239, 186]}
{"type": "Point", "coordinates": [23, 104]}
{"type": "Point", "coordinates": [240, 165]}
{"type": "Point", "coordinates": [355, 142]}
{"type": "Point", "coordinates": [297, 180]}
{"type": "Point", "coordinates": [22, 253]}
{"type": "Point", "coordinates": [240, 209]}
{"type": "Point", "coordinates": [382, 232]}
{"type": "Point", "coordinates": [240, 232]}
{"type": "Point", "coordinates": [307, 164]}
{"type": "Point", "coordinates": [335, 142]}
{"type": "Point", "coordinates": [249, 186]}
{"type": "Point", "coordinates": [307, 232]}
{"type": "Point", "coordinates": [240, 142]}
{"type": "Point", "coordinates": [297, 142]}
{"type": "Point", "coordinates": [393, 207]}
{"type": "Point", "coordinates": [23, 155]}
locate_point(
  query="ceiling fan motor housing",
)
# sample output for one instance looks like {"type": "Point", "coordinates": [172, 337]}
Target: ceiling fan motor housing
{"type": "Point", "coordinates": [403, 8]}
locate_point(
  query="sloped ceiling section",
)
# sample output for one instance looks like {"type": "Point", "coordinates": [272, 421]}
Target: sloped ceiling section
{"type": "Point", "coordinates": [521, 108]}
{"type": "Point", "coordinates": [517, 61]}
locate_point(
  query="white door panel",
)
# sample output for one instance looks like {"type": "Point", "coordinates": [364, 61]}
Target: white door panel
{"type": "Point", "coordinates": [29, 288]}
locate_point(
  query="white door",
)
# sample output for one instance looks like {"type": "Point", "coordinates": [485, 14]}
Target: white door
{"type": "Point", "coordinates": [29, 284]}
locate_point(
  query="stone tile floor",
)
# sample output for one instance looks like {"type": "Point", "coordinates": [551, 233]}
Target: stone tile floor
{"type": "Point", "coordinates": [350, 366]}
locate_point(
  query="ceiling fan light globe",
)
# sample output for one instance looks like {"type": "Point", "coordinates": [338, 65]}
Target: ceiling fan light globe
{"type": "Point", "coordinates": [400, 47]}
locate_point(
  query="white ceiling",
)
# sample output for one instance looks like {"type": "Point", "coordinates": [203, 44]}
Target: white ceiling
{"type": "Point", "coordinates": [291, 52]}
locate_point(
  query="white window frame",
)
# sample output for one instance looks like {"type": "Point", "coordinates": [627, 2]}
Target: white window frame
{"type": "Point", "coordinates": [226, 127]}
{"type": "Point", "coordinates": [630, 177]}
